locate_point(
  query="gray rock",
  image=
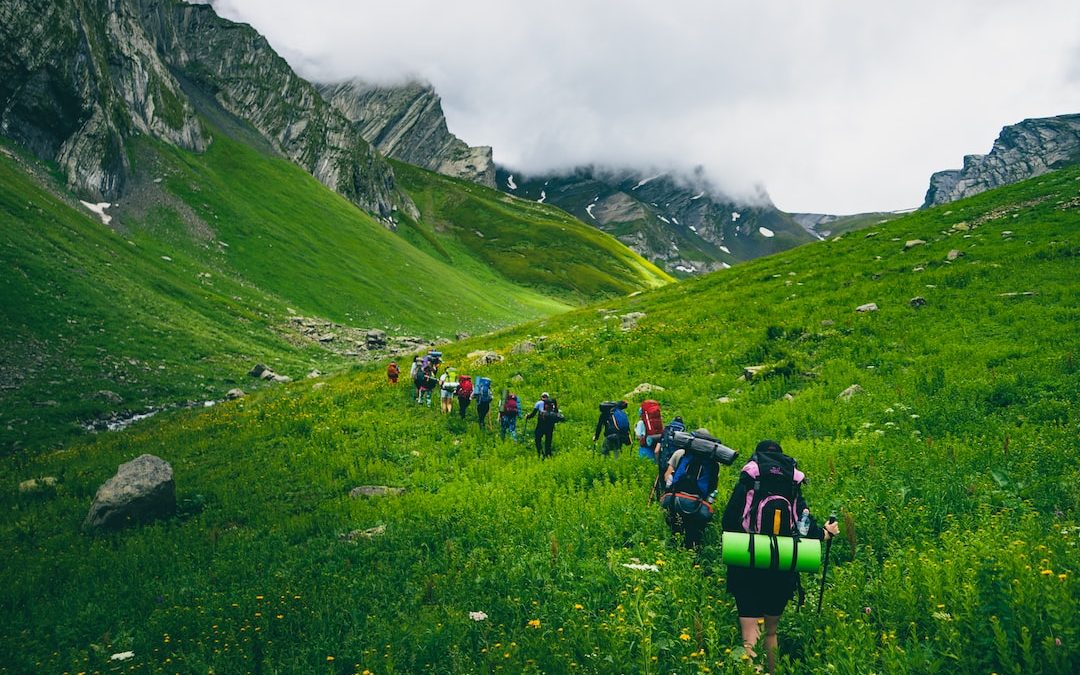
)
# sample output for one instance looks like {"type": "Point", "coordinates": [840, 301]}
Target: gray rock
{"type": "Point", "coordinates": [750, 371]}
{"type": "Point", "coordinates": [369, 533]}
{"type": "Point", "coordinates": [375, 491]}
{"type": "Point", "coordinates": [849, 392]}
{"type": "Point", "coordinates": [643, 388]}
{"type": "Point", "coordinates": [234, 394]}
{"type": "Point", "coordinates": [109, 396]}
{"type": "Point", "coordinates": [141, 491]}
{"type": "Point", "coordinates": [281, 378]}
{"type": "Point", "coordinates": [629, 321]}
{"type": "Point", "coordinates": [258, 370]}
{"type": "Point", "coordinates": [917, 301]}
{"type": "Point", "coordinates": [37, 485]}
{"type": "Point", "coordinates": [912, 243]}
{"type": "Point", "coordinates": [954, 254]}
{"type": "Point", "coordinates": [868, 307]}
{"type": "Point", "coordinates": [314, 374]}
{"type": "Point", "coordinates": [483, 358]}
{"type": "Point", "coordinates": [525, 347]}
{"type": "Point", "coordinates": [517, 379]}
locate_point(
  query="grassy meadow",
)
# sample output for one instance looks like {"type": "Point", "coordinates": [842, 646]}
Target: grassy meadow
{"type": "Point", "coordinates": [954, 473]}
{"type": "Point", "coordinates": [209, 257]}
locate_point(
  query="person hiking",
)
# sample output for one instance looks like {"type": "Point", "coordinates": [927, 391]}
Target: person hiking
{"type": "Point", "coordinates": [615, 425]}
{"type": "Point", "coordinates": [392, 372]}
{"type": "Point", "coordinates": [482, 394]}
{"type": "Point", "coordinates": [546, 412]}
{"type": "Point", "coordinates": [663, 451]}
{"type": "Point", "coordinates": [425, 382]}
{"type": "Point", "coordinates": [690, 481]}
{"type": "Point", "coordinates": [448, 384]}
{"type": "Point", "coordinates": [767, 498]}
{"type": "Point", "coordinates": [464, 394]}
{"type": "Point", "coordinates": [508, 415]}
{"type": "Point", "coordinates": [415, 372]}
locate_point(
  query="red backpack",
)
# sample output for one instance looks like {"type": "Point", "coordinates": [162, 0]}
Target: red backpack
{"type": "Point", "coordinates": [464, 389]}
{"type": "Point", "coordinates": [650, 415]}
{"type": "Point", "coordinates": [510, 406]}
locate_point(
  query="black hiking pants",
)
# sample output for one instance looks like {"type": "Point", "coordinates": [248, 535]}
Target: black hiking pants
{"type": "Point", "coordinates": [545, 432]}
{"type": "Point", "coordinates": [482, 408]}
{"type": "Point", "coordinates": [463, 405]}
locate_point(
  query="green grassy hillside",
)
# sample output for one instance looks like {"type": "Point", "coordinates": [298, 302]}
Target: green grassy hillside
{"type": "Point", "coordinates": [536, 245]}
{"type": "Point", "coordinates": [954, 473]}
{"type": "Point", "coordinates": [209, 256]}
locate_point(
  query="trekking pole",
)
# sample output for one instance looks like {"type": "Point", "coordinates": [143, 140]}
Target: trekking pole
{"type": "Point", "coordinates": [825, 566]}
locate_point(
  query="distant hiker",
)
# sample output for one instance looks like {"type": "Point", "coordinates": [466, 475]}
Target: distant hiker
{"type": "Point", "coordinates": [425, 383]}
{"type": "Point", "coordinates": [547, 415]}
{"type": "Point", "coordinates": [664, 450]}
{"type": "Point", "coordinates": [767, 499]}
{"type": "Point", "coordinates": [615, 425]}
{"type": "Point", "coordinates": [464, 394]}
{"type": "Point", "coordinates": [691, 490]}
{"type": "Point", "coordinates": [508, 415]}
{"type": "Point", "coordinates": [448, 384]}
{"type": "Point", "coordinates": [649, 427]}
{"type": "Point", "coordinates": [416, 372]}
{"type": "Point", "coordinates": [392, 372]}
{"type": "Point", "coordinates": [482, 394]}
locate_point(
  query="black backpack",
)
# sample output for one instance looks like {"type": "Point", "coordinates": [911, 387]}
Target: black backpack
{"type": "Point", "coordinates": [550, 412]}
{"type": "Point", "coordinates": [773, 486]}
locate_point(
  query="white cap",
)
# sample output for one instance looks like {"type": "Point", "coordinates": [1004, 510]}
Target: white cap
{"type": "Point", "coordinates": [544, 395]}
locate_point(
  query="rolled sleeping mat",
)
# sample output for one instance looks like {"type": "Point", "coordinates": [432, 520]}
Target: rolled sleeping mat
{"type": "Point", "coordinates": [770, 552]}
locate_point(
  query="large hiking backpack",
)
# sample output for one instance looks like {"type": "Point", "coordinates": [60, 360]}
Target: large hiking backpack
{"type": "Point", "coordinates": [695, 475]}
{"type": "Point", "coordinates": [773, 486]}
{"type": "Point", "coordinates": [483, 389]}
{"type": "Point", "coordinates": [550, 412]}
{"type": "Point", "coordinates": [465, 387]}
{"type": "Point", "coordinates": [451, 381]}
{"type": "Point", "coordinates": [667, 441]}
{"type": "Point", "coordinates": [510, 406]}
{"type": "Point", "coordinates": [620, 425]}
{"type": "Point", "coordinates": [650, 415]}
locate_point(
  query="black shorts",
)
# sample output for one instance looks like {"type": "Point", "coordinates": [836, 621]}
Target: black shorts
{"type": "Point", "coordinates": [760, 593]}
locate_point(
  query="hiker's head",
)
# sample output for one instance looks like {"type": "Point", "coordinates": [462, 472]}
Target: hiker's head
{"type": "Point", "coordinates": [621, 405]}
{"type": "Point", "coordinates": [768, 447]}
{"type": "Point", "coordinates": [678, 418]}
{"type": "Point", "coordinates": [544, 396]}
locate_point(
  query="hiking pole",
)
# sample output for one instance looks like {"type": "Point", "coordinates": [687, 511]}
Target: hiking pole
{"type": "Point", "coordinates": [825, 566]}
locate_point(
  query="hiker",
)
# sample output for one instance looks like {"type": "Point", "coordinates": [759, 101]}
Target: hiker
{"type": "Point", "coordinates": [482, 394]}
{"type": "Point", "coordinates": [425, 382]}
{"type": "Point", "coordinates": [615, 425]}
{"type": "Point", "coordinates": [547, 414]}
{"type": "Point", "coordinates": [392, 372]}
{"type": "Point", "coordinates": [766, 499]}
{"type": "Point", "coordinates": [690, 480]}
{"type": "Point", "coordinates": [663, 450]}
{"type": "Point", "coordinates": [415, 374]}
{"type": "Point", "coordinates": [508, 415]}
{"type": "Point", "coordinates": [464, 394]}
{"type": "Point", "coordinates": [648, 429]}
{"type": "Point", "coordinates": [448, 384]}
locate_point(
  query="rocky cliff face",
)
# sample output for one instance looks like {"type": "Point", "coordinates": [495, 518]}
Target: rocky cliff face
{"type": "Point", "coordinates": [407, 123]}
{"type": "Point", "coordinates": [681, 223]}
{"type": "Point", "coordinates": [1025, 150]}
{"type": "Point", "coordinates": [76, 79]}
{"type": "Point", "coordinates": [80, 77]}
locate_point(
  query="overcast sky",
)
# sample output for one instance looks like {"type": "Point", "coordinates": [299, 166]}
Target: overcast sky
{"type": "Point", "coordinates": [833, 106]}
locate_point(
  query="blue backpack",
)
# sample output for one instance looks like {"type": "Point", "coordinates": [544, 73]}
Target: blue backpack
{"type": "Point", "coordinates": [483, 389]}
{"type": "Point", "coordinates": [667, 441]}
{"type": "Point", "coordinates": [695, 476]}
{"type": "Point", "coordinates": [622, 425]}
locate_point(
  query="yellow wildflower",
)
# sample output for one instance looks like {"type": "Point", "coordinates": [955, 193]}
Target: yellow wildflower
{"type": "Point", "coordinates": [534, 623]}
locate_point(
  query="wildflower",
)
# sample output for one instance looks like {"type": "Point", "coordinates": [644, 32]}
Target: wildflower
{"type": "Point", "coordinates": [329, 658]}
{"type": "Point", "coordinates": [477, 616]}
{"type": "Point", "coordinates": [122, 656]}
{"type": "Point", "coordinates": [1047, 573]}
{"type": "Point", "coordinates": [281, 616]}
{"type": "Point", "coordinates": [534, 623]}
{"type": "Point", "coordinates": [1057, 642]}
{"type": "Point", "coordinates": [579, 606]}
{"type": "Point", "coordinates": [867, 610]}
{"type": "Point", "coordinates": [684, 637]}
{"type": "Point", "coordinates": [258, 597]}
{"type": "Point", "coordinates": [1063, 576]}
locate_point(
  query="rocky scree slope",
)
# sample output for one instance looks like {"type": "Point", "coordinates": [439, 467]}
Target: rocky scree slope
{"type": "Point", "coordinates": [407, 123]}
{"type": "Point", "coordinates": [1025, 150]}
{"type": "Point", "coordinates": [78, 80]}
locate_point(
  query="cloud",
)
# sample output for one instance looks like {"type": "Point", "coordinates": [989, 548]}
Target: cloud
{"type": "Point", "coordinates": [835, 107]}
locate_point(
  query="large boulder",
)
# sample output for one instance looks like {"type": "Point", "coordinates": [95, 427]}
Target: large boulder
{"type": "Point", "coordinates": [141, 491]}
{"type": "Point", "coordinates": [629, 321]}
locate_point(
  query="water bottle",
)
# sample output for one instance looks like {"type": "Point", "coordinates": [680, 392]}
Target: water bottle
{"type": "Point", "coordinates": [804, 523]}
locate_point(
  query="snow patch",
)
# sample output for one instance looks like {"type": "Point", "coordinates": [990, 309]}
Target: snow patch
{"type": "Point", "coordinates": [646, 180]}
{"type": "Point", "coordinates": [697, 196]}
{"type": "Point", "coordinates": [725, 266]}
{"type": "Point", "coordinates": [766, 232]}
{"type": "Point", "coordinates": [693, 229]}
{"type": "Point", "coordinates": [735, 215]}
{"type": "Point", "coordinates": [99, 209]}
{"type": "Point", "coordinates": [725, 249]}
{"type": "Point", "coordinates": [664, 219]}
{"type": "Point", "coordinates": [510, 182]}
{"type": "Point", "coordinates": [674, 220]}
{"type": "Point", "coordinates": [687, 270]}
{"type": "Point", "coordinates": [588, 210]}
{"type": "Point", "coordinates": [543, 196]}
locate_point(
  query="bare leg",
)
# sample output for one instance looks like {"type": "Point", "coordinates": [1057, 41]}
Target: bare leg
{"type": "Point", "coordinates": [771, 623]}
{"type": "Point", "coordinates": [751, 632]}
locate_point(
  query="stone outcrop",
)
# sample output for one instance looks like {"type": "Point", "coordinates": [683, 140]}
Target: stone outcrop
{"type": "Point", "coordinates": [1025, 150]}
{"type": "Point", "coordinates": [407, 122]}
{"type": "Point", "coordinates": [78, 80]}
{"type": "Point", "coordinates": [141, 491]}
